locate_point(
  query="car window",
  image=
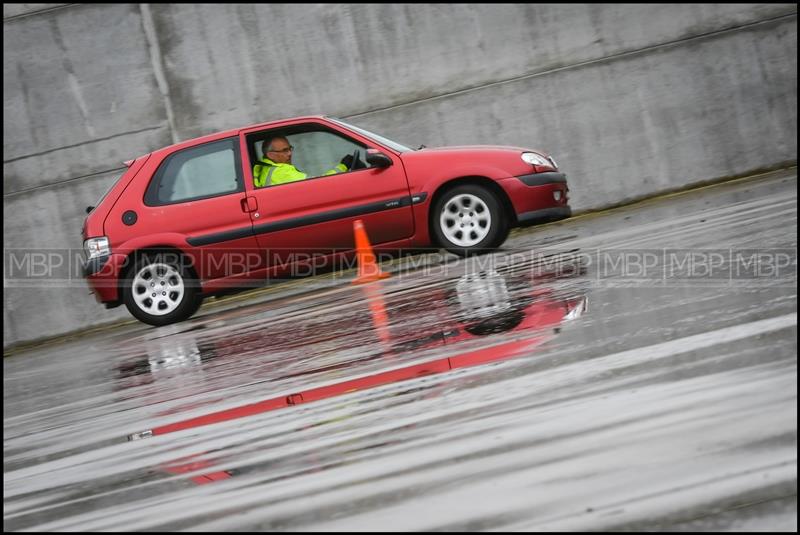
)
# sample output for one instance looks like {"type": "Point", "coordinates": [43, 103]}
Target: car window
{"type": "Point", "coordinates": [317, 153]}
{"type": "Point", "coordinates": [205, 171]}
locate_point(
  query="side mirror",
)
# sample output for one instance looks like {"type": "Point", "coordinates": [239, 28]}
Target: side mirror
{"type": "Point", "coordinates": [378, 159]}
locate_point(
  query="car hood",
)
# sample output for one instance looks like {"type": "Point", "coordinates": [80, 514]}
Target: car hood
{"type": "Point", "coordinates": [490, 161]}
{"type": "Point", "coordinates": [481, 148]}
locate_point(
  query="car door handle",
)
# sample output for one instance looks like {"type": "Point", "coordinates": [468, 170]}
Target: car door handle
{"type": "Point", "coordinates": [249, 204]}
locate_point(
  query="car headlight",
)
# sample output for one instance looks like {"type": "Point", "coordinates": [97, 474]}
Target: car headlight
{"type": "Point", "coordinates": [535, 159]}
{"type": "Point", "coordinates": [96, 247]}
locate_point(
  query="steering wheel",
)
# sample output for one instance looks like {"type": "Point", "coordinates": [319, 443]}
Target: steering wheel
{"type": "Point", "coordinates": [357, 163]}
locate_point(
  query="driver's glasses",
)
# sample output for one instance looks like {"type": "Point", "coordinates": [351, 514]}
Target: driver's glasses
{"type": "Point", "coordinates": [284, 150]}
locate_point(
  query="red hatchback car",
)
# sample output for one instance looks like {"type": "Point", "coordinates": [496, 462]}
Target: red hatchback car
{"type": "Point", "coordinates": [189, 220]}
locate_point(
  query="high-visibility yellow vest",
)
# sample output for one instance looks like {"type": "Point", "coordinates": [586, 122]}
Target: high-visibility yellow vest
{"type": "Point", "coordinates": [269, 173]}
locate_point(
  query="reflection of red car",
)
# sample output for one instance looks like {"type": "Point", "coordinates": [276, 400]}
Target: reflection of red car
{"type": "Point", "coordinates": [196, 463]}
{"type": "Point", "coordinates": [478, 307]}
{"type": "Point", "coordinates": [188, 220]}
{"type": "Point", "coordinates": [486, 308]}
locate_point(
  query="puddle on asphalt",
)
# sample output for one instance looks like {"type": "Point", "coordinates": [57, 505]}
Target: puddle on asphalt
{"type": "Point", "coordinates": [372, 338]}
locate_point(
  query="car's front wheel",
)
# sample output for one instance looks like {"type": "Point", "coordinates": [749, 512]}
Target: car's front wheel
{"type": "Point", "coordinates": [160, 289]}
{"type": "Point", "coordinates": [468, 219]}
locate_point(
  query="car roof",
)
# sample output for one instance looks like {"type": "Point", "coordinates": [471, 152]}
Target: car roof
{"type": "Point", "coordinates": [232, 132]}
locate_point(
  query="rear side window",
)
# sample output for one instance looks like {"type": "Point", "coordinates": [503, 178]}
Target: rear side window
{"type": "Point", "coordinates": [200, 172]}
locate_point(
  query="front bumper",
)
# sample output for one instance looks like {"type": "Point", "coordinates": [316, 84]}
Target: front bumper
{"type": "Point", "coordinates": [544, 215]}
{"type": "Point", "coordinates": [542, 179]}
{"type": "Point", "coordinates": [538, 197]}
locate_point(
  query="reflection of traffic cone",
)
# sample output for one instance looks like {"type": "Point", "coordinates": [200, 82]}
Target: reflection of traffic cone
{"type": "Point", "coordinates": [380, 319]}
{"type": "Point", "coordinates": [368, 268]}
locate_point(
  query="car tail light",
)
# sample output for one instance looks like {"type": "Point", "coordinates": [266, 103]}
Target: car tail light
{"type": "Point", "coordinates": [96, 247]}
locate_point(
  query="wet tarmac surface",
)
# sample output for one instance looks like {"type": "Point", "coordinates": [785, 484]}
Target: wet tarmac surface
{"type": "Point", "coordinates": [630, 370]}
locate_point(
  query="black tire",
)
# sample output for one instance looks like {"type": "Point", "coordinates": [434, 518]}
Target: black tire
{"type": "Point", "coordinates": [474, 223]}
{"type": "Point", "coordinates": [160, 288]}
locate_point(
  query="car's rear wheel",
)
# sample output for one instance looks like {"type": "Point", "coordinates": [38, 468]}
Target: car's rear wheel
{"type": "Point", "coordinates": [468, 219]}
{"type": "Point", "coordinates": [161, 289]}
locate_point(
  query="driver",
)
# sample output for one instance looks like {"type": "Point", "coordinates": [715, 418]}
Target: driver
{"type": "Point", "coordinates": [276, 165]}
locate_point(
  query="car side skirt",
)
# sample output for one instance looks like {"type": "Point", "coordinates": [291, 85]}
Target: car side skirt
{"type": "Point", "coordinates": [260, 277]}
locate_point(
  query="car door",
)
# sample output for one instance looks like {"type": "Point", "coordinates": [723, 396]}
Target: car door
{"type": "Point", "coordinates": [314, 216]}
{"type": "Point", "coordinates": [199, 192]}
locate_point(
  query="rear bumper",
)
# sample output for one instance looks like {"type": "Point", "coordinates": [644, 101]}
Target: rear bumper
{"type": "Point", "coordinates": [103, 275]}
{"type": "Point", "coordinates": [95, 265]}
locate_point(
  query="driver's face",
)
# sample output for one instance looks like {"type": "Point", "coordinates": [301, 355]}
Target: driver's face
{"type": "Point", "coordinates": [280, 151]}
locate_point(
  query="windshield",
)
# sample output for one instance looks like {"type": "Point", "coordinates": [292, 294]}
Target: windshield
{"type": "Point", "coordinates": [380, 139]}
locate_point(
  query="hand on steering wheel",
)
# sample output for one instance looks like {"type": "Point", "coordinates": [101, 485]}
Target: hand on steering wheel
{"type": "Point", "coordinates": [353, 161]}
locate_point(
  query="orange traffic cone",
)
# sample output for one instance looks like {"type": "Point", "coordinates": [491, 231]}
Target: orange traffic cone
{"type": "Point", "coordinates": [368, 268]}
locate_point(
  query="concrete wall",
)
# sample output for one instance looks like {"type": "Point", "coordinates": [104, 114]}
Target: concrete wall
{"type": "Point", "coordinates": [630, 99]}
